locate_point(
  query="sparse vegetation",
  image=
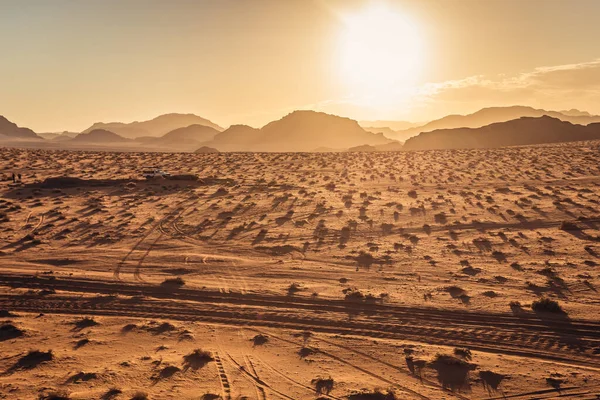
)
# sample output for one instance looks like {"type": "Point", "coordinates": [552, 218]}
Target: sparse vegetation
{"type": "Point", "coordinates": [196, 359]}
{"type": "Point", "coordinates": [547, 305]}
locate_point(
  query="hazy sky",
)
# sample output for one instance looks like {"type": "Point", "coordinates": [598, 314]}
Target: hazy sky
{"type": "Point", "coordinates": [65, 64]}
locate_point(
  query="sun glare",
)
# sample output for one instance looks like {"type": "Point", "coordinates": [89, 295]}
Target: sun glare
{"type": "Point", "coordinates": [381, 51]}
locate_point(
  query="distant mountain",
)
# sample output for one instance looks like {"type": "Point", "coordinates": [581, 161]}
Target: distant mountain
{"type": "Point", "coordinates": [155, 127]}
{"type": "Point", "coordinates": [491, 115]}
{"type": "Point", "coordinates": [576, 113]}
{"type": "Point", "coordinates": [58, 135]}
{"type": "Point", "coordinates": [12, 131]}
{"type": "Point", "coordinates": [366, 148]}
{"type": "Point", "coordinates": [392, 125]}
{"type": "Point", "coordinates": [187, 138]}
{"type": "Point", "coordinates": [298, 131]}
{"type": "Point", "coordinates": [387, 132]}
{"type": "Point", "coordinates": [236, 138]}
{"type": "Point", "coordinates": [522, 131]}
{"type": "Point", "coordinates": [206, 149]}
{"type": "Point", "coordinates": [99, 136]}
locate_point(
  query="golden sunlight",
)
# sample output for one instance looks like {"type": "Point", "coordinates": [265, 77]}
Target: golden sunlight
{"type": "Point", "coordinates": [381, 52]}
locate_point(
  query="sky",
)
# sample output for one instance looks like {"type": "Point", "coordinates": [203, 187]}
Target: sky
{"type": "Point", "coordinates": [65, 64]}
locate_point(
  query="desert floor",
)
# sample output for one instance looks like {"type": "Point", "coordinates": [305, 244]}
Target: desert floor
{"type": "Point", "coordinates": [413, 273]}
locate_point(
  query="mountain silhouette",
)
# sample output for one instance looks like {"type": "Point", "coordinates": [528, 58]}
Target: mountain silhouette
{"type": "Point", "coordinates": [12, 131]}
{"type": "Point", "coordinates": [155, 127]}
{"type": "Point", "coordinates": [99, 136]}
{"type": "Point", "coordinates": [522, 131]}
{"type": "Point", "coordinates": [297, 131]}
{"type": "Point", "coordinates": [186, 138]}
{"type": "Point", "coordinates": [206, 149]}
{"type": "Point", "coordinates": [58, 135]}
{"type": "Point", "coordinates": [490, 115]}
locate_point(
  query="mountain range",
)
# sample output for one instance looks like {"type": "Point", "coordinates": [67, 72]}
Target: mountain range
{"type": "Point", "coordinates": [154, 127]}
{"type": "Point", "coordinates": [521, 131]}
{"type": "Point", "coordinates": [316, 131]}
{"type": "Point", "coordinates": [491, 115]}
{"type": "Point", "coordinates": [297, 131]}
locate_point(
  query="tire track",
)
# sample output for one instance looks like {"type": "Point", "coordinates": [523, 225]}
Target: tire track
{"type": "Point", "coordinates": [512, 335]}
{"type": "Point", "coordinates": [363, 370]}
{"type": "Point", "coordinates": [178, 209]}
{"type": "Point", "coordinates": [294, 382]}
{"type": "Point", "coordinates": [257, 381]}
{"type": "Point", "coordinates": [486, 323]}
{"type": "Point", "coordinates": [225, 386]}
{"type": "Point", "coordinates": [261, 394]}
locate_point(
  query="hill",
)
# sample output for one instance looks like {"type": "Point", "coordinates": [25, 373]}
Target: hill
{"type": "Point", "coordinates": [12, 131]}
{"type": "Point", "coordinates": [155, 127]}
{"type": "Point", "coordinates": [187, 138]}
{"type": "Point", "coordinates": [58, 135]}
{"type": "Point", "coordinates": [492, 115]}
{"type": "Point", "coordinates": [298, 131]}
{"type": "Point", "coordinates": [206, 149]}
{"type": "Point", "coordinates": [99, 136]}
{"type": "Point", "coordinates": [522, 131]}
{"type": "Point", "coordinates": [387, 132]}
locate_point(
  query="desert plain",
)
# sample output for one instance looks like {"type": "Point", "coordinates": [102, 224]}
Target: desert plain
{"type": "Point", "coordinates": [450, 274]}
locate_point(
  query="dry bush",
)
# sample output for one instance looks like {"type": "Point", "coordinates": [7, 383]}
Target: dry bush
{"type": "Point", "coordinates": [547, 305]}
{"type": "Point", "coordinates": [374, 395]}
{"type": "Point", "coordinates": [323, 385]}
{"type": "Point", "coordinates": [55, 395]}
{"type": "Point", "coordinates": [111, 394]}
{"type": "Point", "coordinates": [173, 282]}
{"type": "Point", "coordinates": [259, 340]}
{"type": "Point", "coordinates": [196, 359]}
{"type": "Point", "coordinates": [139, 396]}
{"type": "Point", "coordinates": [32, 359]}
{"type": "Point", "coordinates": [9, 331]}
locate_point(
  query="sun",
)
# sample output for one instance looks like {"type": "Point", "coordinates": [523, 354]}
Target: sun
{"type": "Point", "coordinates": [380, 51]}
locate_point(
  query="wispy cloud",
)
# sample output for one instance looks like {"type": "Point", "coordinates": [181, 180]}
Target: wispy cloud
{"type": "Point", "coordinates": [560, 86]}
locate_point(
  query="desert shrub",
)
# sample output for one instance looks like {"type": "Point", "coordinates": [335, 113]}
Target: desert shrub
{"type": "Point", "coordinates": [210, 396]}
{"type": "Point", "coordinates": [85, 322]}
{"type": "Point", "coordinates": [306, 351]}
{"type": "Point", "coordinates": [464, 353]}
{"type": "Point", "coordinates": [547, 305]}
{"type": "Point", "coordinates": [323, 385]}
{"type": "Point", "coordinates": [158, 329]}
{"type": "Point", "coordinates": [173, 282]}
{"type": "Point", "coordinates": [139, 396]}
{"type": "Point", "coordinates": [9, 331]}
{"type": "Point", "coordinates": [259, 339]}
{"type": "Point", "coordinates": [515, 306]}
{"type": "Point", "coordinates": [32, 359]}
{"type": "Point", "coordinates": [111, 394]}
{"type": "Point", "coordinates": [196, 359]}
{"type": "Point", "coordinates": [294, 288]}
{"type": "Point", "coordinates": [54, 395]}
{"type": "Point", "coordinates": [374, 395]}
{"type": "Point", "coordinates": [167, 372]}
{"type": "Point", "coordinates": [353, 294]}
{"type": "Point", "coordinates": [82, 376]}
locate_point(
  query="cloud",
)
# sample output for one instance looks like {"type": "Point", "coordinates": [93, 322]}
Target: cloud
{"type": "Point", "coordinates": [551, 87]}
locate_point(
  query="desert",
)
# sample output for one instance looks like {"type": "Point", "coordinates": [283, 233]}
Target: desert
{"type": "Point", "coordinates": [418, 273]}
{"type": "Point", "coordinates": [299, 200]}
